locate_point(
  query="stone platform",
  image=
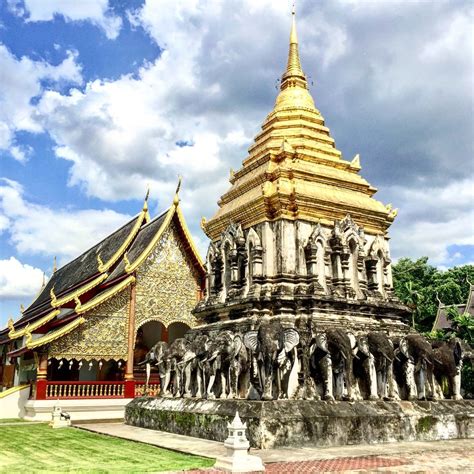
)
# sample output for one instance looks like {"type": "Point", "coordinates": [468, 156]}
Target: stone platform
{"type": "Point", "coordinates": [279, 423]}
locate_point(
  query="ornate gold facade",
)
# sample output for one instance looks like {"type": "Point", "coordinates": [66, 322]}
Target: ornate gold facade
{"type": "Point", "coordinates": [104, 334]}
{"type": "Point", "coordinates": [166, 285]}
{"type": "Point", "coordinates": [294, 170]}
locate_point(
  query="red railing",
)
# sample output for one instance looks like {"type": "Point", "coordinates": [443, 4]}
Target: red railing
{"type": "Point", "coordinates": [152, 391]}
{"type": "Point", "coordinates": [50, 390]}
{"type": "Point", "coordinates": [69, 390]}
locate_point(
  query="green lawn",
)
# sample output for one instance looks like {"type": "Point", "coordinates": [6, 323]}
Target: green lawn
{"type": "Point", "coordinates": [12, 420]}
{"type": "Point", "coordinates": [39, 448]}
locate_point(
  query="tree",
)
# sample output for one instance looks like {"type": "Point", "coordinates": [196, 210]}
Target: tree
{"type": "Point", "coordinates": [429, 283]}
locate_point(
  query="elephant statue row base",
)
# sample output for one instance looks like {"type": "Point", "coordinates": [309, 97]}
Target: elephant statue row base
{"type": "Point", "coordinates": [275, 362]}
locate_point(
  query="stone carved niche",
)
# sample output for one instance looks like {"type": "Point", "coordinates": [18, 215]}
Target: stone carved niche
{"type": "Point", "coordinates": [234, 265]}
{"type": "Point", "coordinates": [316, 262]}
{"type": "Point", "coordinates": [377, 265]}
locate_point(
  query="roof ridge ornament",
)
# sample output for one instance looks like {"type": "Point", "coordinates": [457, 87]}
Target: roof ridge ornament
{"type": "Point", "coordinates": [55, 265]}
{"type": "Point", "coordinates": [176, 194]}
{"type": "Point", "coordinates": [145, 204]}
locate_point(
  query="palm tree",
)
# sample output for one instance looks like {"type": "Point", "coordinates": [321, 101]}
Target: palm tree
{"type": "Point", "coordinates": [412, 299]}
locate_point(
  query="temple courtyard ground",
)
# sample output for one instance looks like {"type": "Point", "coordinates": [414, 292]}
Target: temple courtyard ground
{"type": "Point", "coordinates": [118, 448]}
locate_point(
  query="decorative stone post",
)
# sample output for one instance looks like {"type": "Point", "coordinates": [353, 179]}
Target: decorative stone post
{"type": "Point", "coordinates": [237, 445]}
{"type": "Point", "coordinates": [59, 419]}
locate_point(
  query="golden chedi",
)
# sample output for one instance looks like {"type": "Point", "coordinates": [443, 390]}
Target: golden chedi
{"type": "Point", "coordinates": [299, 226]}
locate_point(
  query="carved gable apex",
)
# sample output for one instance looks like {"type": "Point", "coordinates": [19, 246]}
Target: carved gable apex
{"type": "Point", "coordinates": [234, 235]}
{"type": "Point", "coordinates": [379, 245]}
{"type": "Point", "coordinates": [253, 238]}
{"type": "Point", "coordinates": [317, 234]}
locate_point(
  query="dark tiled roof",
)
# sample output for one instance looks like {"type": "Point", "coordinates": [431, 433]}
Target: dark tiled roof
{"type": "Point", "coordinates": [443, 322]}
{"type": "Point", "coordinates": [143, 238]}
{"type": "Point", "coordinates": [79, 270]}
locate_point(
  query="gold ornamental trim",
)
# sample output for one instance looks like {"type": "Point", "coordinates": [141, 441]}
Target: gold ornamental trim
{"type": "Point", "coordinates": [92, 303]}
{"type": "Point", "coordinates": [31, 327]}
{"type": "Point", "coordinates": [131, 267]}
{"type": "Point", "coordinates": [143, 216]}
{"type": "Point", "coordinates": [41, 341]}
{"type": "Point", "coordinates": [11, 390]}
{"type": "Point", "coordinates": [56, 302]}
{"type": "Point", "coordinates": [187, 234]}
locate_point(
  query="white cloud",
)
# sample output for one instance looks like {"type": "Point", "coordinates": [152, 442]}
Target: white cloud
{"type": "Point", "coordinates": [421, 230]}
{"type": "Point", "coordinates": [39, 230]}
{"type": "Point", "coordinates": [388, 89]}
{"type": "Point", "coordinates": [18, 280]}
{"type": "Point", "coordinates": [20, 82]}
{"type": "Point", "coordinates": [95, 11]}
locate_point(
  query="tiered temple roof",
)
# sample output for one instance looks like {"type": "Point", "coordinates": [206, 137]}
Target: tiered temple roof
{"type": "Point", "coordinates": [443, 322]}
{"type": "Point", "coordinates": [295, 171]}
{"type": "Point", "coordinates": [95, 276]}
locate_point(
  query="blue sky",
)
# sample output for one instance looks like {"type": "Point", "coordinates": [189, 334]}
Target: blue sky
{"type": "Point", "coordinates": [99, 99]}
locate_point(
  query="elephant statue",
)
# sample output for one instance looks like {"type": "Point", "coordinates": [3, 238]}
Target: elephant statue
{"type": "Point", "coordinates": [227, 358]}
{"type": "Point", "coordinates": [378, 351]}
{"type": "Point", "coordinates": [448, 360]}
{"type": "Point", "coordinates": [417, 360]}
{"type": "Point", "coordinates": [273, 349]}
{"type": "Point", "coordinates": [334, 352]}
{"type": "Point", "coordinates": [195, 372]}
{"type": "Point", "coordinates": [179, 355]}
{"type": "Point", "coordinates": [155, 356]}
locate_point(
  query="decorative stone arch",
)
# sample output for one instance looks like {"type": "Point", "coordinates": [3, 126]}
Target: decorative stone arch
{"type": "Point", "coordinates": [214, 271]}
{"type": "Point", "coordinates": [377, 264]}
{"type": "Point", "coordinates": [317, 258]}
{"type": "Point", "coordinates": [254, 251]}
{"type": "Point", "coordinates": [234, 259]}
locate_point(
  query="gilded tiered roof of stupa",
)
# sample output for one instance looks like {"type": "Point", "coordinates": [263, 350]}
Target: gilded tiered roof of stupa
{"type": "Point", "coordinates": [294, 170]}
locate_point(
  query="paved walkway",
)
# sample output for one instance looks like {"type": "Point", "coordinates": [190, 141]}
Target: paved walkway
{"type": "Point", "coordinates": [432, 457]}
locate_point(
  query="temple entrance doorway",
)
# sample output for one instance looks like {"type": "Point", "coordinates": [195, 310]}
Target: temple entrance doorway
{"type": "Point", "coordinates": [147, 336]}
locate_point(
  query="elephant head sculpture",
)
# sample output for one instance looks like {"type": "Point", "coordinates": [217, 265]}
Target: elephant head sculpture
{"type": "Point", "coordinates": [338, 349]}
{"type": "Point", "coordinates": [377, 350]}
{"type": "Point", "coordinates": [179, 355]}
{"type": "Point", "coordinates": [448, 360]}
{"type": "Point", "coordinates": [155, 356]}
{"type": "Point", "coordinates": [195, 370]}
{"type": "Point", "coordinates": [271, 346]}
{"type": "Point", "coordinates": [227, 358]}
{"type": "Point", "coordinates": [417, 366]}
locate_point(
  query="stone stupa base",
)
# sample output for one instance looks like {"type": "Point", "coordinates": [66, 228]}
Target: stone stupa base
{"type": "Point", "coordinates": [273, 424]}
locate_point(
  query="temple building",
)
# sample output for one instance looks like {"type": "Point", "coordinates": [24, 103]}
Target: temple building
{"type": "Point", "coordinates": [98, 315]}
{"type": "Point", "coordinates": [299, 231]}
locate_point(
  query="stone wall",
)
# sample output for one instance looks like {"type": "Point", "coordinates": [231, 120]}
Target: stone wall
{"type": "Point", "coordinates": [307, 423]}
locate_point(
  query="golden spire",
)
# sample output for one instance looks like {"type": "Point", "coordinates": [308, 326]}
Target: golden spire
{"type": "Point", "coordinates": [55, 265]}
{"type": "Point", "coordinates": [293, 68]}
{"type": "Point", "coordinates": [294, 87]}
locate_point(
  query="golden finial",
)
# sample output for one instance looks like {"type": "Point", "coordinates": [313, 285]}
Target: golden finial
{"type": "Point", "coordinates": [100, 263]}
{"type": "Point", "coordinates": [43, 283]}
{"type": "Point", "coordinates": [293, 68]}
{"type": "Point", "coordinates": [126, 260]}
{"type": "Point", "coordinates": [176, 194]}
{"type": "Point", "coordinates": [55, 265]}
{"type": "Point", "coordinates": [22, 309]}
{"type": "Point", "coordinates": [203, 223]}
{"type": "Point", "coordinates": [355, 163]}
{"type": "Point", "coordinates": [78, 302]}
{"type": "Point", "coordinates": [28, 336]}
{"type": "Point", "coordinates": [147, 195]}
{"type": "Point", "coordinates": [11, 325]}
{"type": "Point", "coordinates": [52, 295]}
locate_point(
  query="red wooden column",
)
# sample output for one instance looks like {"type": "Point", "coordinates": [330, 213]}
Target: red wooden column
{"type": "Point", "coordinates": [129, 391]}
{"type": "Point", "coordinates": [164, 334]}
{"type": "Point", "coordinates": [41, 376]}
